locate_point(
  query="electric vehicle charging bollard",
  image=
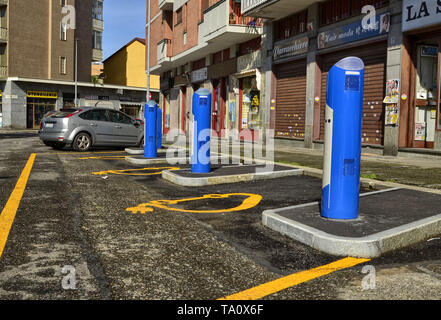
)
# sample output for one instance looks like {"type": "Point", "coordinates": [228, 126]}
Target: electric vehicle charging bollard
{"type": "Point", "coordinates": [200, 157]}
{"type": "Point", "coordinates": [159, 128]}
{"type": "Point", "coordinates": [343, 120]}
{"type": "Point", "coordinates": [150, 111]}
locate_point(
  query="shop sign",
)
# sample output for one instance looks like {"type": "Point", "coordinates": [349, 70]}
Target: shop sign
{"type": "Point", "coordinates": [354, 32]}
{"type": "Point", "coordinates": [420, 14]}
{"type": "Point", "coordinates": [249, 61]}
{"type": "Point", "coordinates": [42, 94]}
{"type": "Point", "coordinates": [181, 80]}
{"type": "Point", "coordinates": [291, 48]}
{"type": "Point", "coordinates": [199, 75]}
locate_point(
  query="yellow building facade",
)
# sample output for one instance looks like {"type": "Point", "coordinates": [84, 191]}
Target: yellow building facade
{"type": "Point", "coordinates": [127, 67]}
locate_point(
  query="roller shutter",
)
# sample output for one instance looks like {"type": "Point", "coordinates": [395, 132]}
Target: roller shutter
{"type": "Point", "coordinates": [374, 57]}
{"type": "Point", "coordinates": [291, 99]}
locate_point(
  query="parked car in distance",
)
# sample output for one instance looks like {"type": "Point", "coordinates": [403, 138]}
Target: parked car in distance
{"type": "Point", "coordinates": [87, 127]}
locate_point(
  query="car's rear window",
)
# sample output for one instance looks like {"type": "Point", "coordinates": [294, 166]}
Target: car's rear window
{"type": "Point", "coordinates": [62, 113]}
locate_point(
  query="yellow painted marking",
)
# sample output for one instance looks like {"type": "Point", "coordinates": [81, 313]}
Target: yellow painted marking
{"type": "Point", "coordinates": [8, 214]}
{"type": "Point", "coordinates": [82, 153]}
{"type": "Point", "coordinates": [251, 201]}
{"type": "Point", "coordinates": [294, 279]}
{"type": "Point", "coordinates": [103, 158]}
{"type": "Point", "coordinates": [125, 172]}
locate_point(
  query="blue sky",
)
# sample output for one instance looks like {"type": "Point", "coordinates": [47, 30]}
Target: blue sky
{"type": "Point", "coordinates": [123, 21]}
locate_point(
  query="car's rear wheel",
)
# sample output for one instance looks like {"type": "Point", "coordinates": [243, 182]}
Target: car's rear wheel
{"type": "Point", "coordinates": [82, 142]}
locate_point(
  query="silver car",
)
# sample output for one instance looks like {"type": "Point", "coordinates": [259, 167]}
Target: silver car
{"type": "Point", "coordinates": [88, 127]}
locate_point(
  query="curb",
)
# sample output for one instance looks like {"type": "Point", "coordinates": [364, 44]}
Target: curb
{"type": "Point", "coordinates": [371, 246]}
{"type": "Point", "coordinates": [206, 181]}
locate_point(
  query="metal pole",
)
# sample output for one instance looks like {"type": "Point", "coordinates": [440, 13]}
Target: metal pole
{"type": "Point", "coordinates": [148, 53]}
{"type": "Point", "coordinates": [76, 73]}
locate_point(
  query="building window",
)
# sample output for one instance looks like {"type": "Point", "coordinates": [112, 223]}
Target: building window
{"type": "Point", "coordinates": [63, 32]}
{"type": "Point", "coordinates": [333, 11]}
{"type": "Point", "coordinates": [97, 40]}
{"type": "Point", "coordinates": [179, 16]}
{"type": "Point", "coordinates": [63, 3]}
{"type": "Point", "coordinates": [290, 26]}
{"type": "Point", "coordinates": [97, 10]}
{"type": "Point", "coordinates": [63, 66]}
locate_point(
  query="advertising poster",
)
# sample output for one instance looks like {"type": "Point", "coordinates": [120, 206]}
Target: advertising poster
{"type": "Point", "coordinates": [392, 91]}
{"type": "Point", "coordinates": [420, 131]}
{"type": "Point", "coordinates": [391, 114]}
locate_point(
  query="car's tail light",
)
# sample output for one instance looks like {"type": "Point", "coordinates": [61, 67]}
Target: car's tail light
{"type": "Point", "coordinates": [73, 113]}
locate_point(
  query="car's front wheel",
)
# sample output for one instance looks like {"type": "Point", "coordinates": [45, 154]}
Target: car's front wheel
{"type": "Point", "coordinates": [82, 142]}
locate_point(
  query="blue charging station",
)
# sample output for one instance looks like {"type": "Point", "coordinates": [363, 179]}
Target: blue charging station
{"type": "Point", "coordinates": [159, 128]}
{"type": "Point", "coordinates": [150, 112]}
{"type": "Point", "coordinates": [200, 157]}
{"type": "Point", "coordinates": [343, 120]}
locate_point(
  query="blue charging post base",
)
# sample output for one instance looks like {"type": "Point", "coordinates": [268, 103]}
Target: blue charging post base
{"type": "Point", "coordinates": [342, 150]}
{"type": "Point", "coordinates": [150, 139]}
{"type": "Point", "coordinates": [200, 157]}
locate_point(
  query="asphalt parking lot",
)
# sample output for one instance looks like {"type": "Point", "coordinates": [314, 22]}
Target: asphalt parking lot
{"type": "Point", "coordinates": [113, 226]}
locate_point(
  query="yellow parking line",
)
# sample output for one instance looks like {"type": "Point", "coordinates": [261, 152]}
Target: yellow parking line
{"type": "Point", "coordinates": [293, 280]}
{"type": "Point", "coordinates": [8, 214]}
{"type": "Point", "coordinates": [83, 153]}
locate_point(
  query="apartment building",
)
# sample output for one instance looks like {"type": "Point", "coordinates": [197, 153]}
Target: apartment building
{"type": "Point", "coordinates": [37, 59]}
{"type": "Point", "coordinates": [210, 44]}
{"type": "Point", "coordinates": [402, 55]}
{"type": "Point", "coordinates": [126, 67]}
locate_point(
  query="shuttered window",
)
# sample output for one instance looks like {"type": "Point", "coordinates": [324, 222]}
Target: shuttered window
{"type": "Point", "coordinates": [374, 56]}
{"type": "Point", "coordinates": [291, 99]}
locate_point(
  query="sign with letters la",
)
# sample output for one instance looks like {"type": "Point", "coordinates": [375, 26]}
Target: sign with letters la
{"type": "Point", "coordinates": [420, 14]}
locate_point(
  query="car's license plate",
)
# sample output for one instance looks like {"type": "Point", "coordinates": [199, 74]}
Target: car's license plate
{"type": "Point", "coordinates": [49, 125]}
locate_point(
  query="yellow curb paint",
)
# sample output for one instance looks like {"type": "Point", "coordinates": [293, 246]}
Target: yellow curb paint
{"type": "Point", "coordinates": [103, 158]}
{"type": "Point", "coordinates": [272, 287]}
{"type": "Point", "coordinates": [124, 172]}
{"type": "Point", "coordinates": [8, 214]}
{"type": "Point", "coordinates": [251, 201]}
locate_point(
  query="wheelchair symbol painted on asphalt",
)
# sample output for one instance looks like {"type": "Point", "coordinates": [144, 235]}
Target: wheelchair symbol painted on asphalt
{"type": "Point", "coordinates": [249, 202]}
{"type": "Point", "coordinates": [136, 172]}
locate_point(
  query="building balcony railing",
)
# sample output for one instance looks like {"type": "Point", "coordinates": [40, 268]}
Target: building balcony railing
{"type": "Point", "coordinates": [3, 72]}
{"type": "Point", "coordinates": [224, 21]}
{"type": "Point", "coordinates": [3, 34]}
{"type": "Point", "coordinates": [164, 52]}
{"type": "Point", "coordinates": [165, 5]}
{"type": "Point", "coordinates": [97, 55]}
{"type": "Point", "coordinates": [97, 24]}
{"type": "Point", "coordinates": [248, 5]}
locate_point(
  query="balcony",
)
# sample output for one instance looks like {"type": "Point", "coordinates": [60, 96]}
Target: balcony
{"type": "Point", "coordinates": [97, 24]}
{"type": "Point", "coordinates": [3, 72]}
{"type": "Point", "coordinates": [164, 52]}
{"type": "Point", "coordinates": [166, 5]}
{"type": "Point", "coordinates": [274, 9]}
{"type": "Point", "coordinates": [3, 2]}
{"type": "Point", "coordinates": [97, 55]}
{"type": "Point", "coordinates": [3, 35]}
{"type": "Point", "coordinates": [224, 24]}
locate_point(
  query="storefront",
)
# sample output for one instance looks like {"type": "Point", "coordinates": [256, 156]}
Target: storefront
{"type": "Point", "coordinates": [290, 73]}
{"type": "Point", "coordinates": [370, 45]}
{"type": "Point", "coordinates": [220, 74]}
{"type": "Point", "coordinates": [166, 83]}
{"type": "Point", "coordinates": [38, 104]}
{"type": "Point", "coordinates": [249, 102]}
{"type": "Point", "coordinates": [420, 122]}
